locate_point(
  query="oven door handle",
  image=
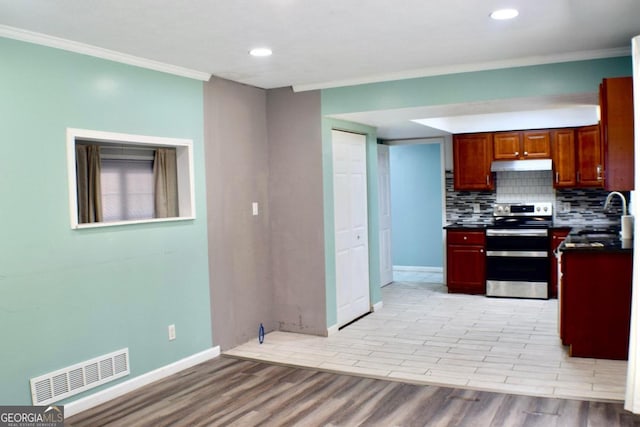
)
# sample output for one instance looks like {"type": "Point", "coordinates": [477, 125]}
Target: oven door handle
{"type": "Point", "coordinates": [517, 232]}
{"type": "Point", "coordinates": [519, 254]}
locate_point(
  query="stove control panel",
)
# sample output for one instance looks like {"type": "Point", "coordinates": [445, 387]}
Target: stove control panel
{"type": "Point", "coordinates": [523, 209]}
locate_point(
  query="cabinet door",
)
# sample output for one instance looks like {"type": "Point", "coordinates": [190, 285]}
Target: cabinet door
{"type": "Point", "coordinates": [589, 157]}
{"type": "Point", "coordinates": [506, 145]}
{"type": "Point", "coordinates": [564, 158]}
{"type": "Point", "coordinates": [466, 269]}
{"type": "Point", "coordinates": [536, 144]}
{"type": "Point", "coordinates": [466, 262]}
{"type": "Point", "coordinates": [472, 162]}
{"type": "Point", "coordinates": [616, 109]}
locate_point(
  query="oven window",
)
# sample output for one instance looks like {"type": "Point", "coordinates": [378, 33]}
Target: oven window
{"type": "Point", "coordinates": [518, 269]}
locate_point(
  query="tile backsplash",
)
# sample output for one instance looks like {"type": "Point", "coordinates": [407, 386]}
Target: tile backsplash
{"type": "Point", "coordinates": [525, 186]}
{"type": "Point", "coordinates": [571, 206]}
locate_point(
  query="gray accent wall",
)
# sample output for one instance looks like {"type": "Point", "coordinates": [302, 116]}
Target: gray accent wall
{"type": "Point", "coordinates": [296, 204]}
{"type": "Point", "coordinates": [237, 174]}
{"type": "Point", "coordinates": [268, 268]}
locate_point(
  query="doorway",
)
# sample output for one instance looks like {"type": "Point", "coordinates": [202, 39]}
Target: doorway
{"type": "Point", "coordinates": [417, 209]}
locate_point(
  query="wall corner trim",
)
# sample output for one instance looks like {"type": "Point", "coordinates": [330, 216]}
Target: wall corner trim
{"type": "Point", "coordinates": [123, 388]}
{"type": "Point", "coordinates": [332, 330]}
{"type": "Point", "coordinates": [98, 52]}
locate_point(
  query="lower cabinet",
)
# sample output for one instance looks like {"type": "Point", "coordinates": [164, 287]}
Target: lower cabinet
{"type": "Point", "coordinates": [466, 264]}
{"type": "Point", "coordinates": [595, 303]}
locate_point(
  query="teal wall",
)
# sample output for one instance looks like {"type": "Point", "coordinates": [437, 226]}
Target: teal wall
{"type": "Point", "coordinates": [416, 205]}
{"type": "Point", "coordinates": [70, 295]}
{"type": "Point", "coordinates": [576, 77]}
{"type": "Point", "coordinates": [375, 294]}
{"type": "Point", "coordinates": [538, 80]}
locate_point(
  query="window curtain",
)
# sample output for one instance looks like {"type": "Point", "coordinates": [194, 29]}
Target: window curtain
{"type": "Point", "coordinates": [165, 179]}
{"type": "Point", "coordinates": [88, 183]}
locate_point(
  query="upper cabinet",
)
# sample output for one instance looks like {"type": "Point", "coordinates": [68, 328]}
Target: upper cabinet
{"type": "Point", "coordinates": [589, 157]}
{"type": "Point", "coordinates": [616, 127]}
{"type": "Point", "coordinates": [531, 144]}
{"type": "Point", "coordinates": [563, 149]}
{"type": "Point", "coordinates": [472, 154]}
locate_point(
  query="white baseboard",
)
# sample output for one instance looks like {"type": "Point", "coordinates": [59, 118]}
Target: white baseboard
{"type": "Point", "coordinates": [417, 269]}
{"type": "Point", "coordinates": [118, 390]}
{"type": "Point", "coordinates": [331, 330]}
{"type": "Point", "coordinates": [377, 306]}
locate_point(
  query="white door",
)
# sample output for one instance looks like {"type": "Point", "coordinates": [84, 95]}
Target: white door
{"type": "Point", "coordinates": [350, 216]}
{"type": "Point", "coordinates": [384, 207]}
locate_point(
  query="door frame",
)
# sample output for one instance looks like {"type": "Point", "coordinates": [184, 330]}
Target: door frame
{"type": "Point", "coordinates": [375, 294]}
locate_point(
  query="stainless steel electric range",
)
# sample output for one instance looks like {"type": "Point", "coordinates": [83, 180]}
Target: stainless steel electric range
{"type": "Point", "coordinates": [518, 250]}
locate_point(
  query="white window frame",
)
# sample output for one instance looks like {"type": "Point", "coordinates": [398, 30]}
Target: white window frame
{"type": "Point", "coordinates": [184, 163]}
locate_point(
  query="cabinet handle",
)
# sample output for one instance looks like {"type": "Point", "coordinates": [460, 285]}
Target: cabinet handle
{"type": "Point", "coordinates": [526, 153]}
{"type": "Point", "coordinates": [599, 172]}
{"type": "Point", "coordinates": [464, 237]}
{"type": "Point", "coordinates": [536, 137]}
{"type": "Point", "coordinates": [517, 153]}
{"type": "Point", "coordinates": [481, 251]}
{"type": "Point", "coordinates": [557, 177]}
{"type": "Point", "coordinates": [487, 180]}
{"type": "Point", "coordinates": [578, 175]}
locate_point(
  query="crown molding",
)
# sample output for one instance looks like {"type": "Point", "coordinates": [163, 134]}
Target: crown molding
{"type": "Point", "coordinates": [98, 52]}
{"type": "Point", "coordinates": [466, 68]}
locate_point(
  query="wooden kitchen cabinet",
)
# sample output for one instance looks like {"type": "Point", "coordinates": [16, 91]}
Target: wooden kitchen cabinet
{"type": "Point", "coordinates": [563, 149]}
{"type": "Point", "coordinates": [506, 145]}
{"type": "Point", "coordinates": [558, 236]}
{"type": "Point", "coordinates": [616, 132]}
{"type": "Point", "coordinates": [472, 154]}
{"type": "Point", "coordinates": [595, 303]}
{"type": "Point", "coordinates": [536, 144]}
{"type": "Point", "coordinates": [530, 144]}
{"type": "Point", "coordinates": [589, 157]}
{"type": "Point", "coordinates": [466, 264]}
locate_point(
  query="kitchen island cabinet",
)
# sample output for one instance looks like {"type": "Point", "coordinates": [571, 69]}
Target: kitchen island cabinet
{"type": "Point", "coordinates": [472, 154]}
{"type": "Point", "coordinates": [595, 301]}
{"type": "Point", "coordinates": [466, 270]}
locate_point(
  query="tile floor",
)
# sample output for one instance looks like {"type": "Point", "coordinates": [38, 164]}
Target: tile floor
{"type": "Point", "coordinates": [424, 335]}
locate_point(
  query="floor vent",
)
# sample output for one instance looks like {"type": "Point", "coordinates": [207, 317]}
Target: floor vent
{"type": "Point", "coordinates": [66, 382]}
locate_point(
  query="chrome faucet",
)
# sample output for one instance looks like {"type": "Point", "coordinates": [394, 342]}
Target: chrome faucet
{"type": "Point", "coordinates": [626, 221]}
{"type": "Point", "coordinates": [608, 201]}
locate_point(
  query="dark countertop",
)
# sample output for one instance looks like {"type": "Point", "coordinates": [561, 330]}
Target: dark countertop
{"type": "Point", "coordinates": [466, 226]}
{"type": "Point", "coordinates": [592, 239]}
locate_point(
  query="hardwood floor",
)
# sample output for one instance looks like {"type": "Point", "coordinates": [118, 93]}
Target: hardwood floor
{"type": "Point", "coordinates": [235, 392]}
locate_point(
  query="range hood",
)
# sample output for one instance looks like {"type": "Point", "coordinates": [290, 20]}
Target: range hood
{"type": "Point", "coordinates": [521, 165]}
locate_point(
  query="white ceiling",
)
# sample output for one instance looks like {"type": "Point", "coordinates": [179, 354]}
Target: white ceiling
{"type": "Point", "coordinates": [326, 43]}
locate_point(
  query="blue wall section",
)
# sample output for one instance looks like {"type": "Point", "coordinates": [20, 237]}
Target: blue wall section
{"type": "Point", "coordinates": [416, 205]}
{"type": "Point", "coordinates": [70, 295]}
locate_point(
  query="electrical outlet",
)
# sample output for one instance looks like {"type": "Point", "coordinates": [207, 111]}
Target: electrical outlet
{"type": "Point", "coordinates": [172, 332]}
{"type": "Point", "coordinates": [254, 208]}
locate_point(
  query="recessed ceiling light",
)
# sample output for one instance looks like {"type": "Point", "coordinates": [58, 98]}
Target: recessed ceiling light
{"type": "Point", "coordinates": [504, 14]}
{"type": "Point", "coordinates": [260, 51]}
